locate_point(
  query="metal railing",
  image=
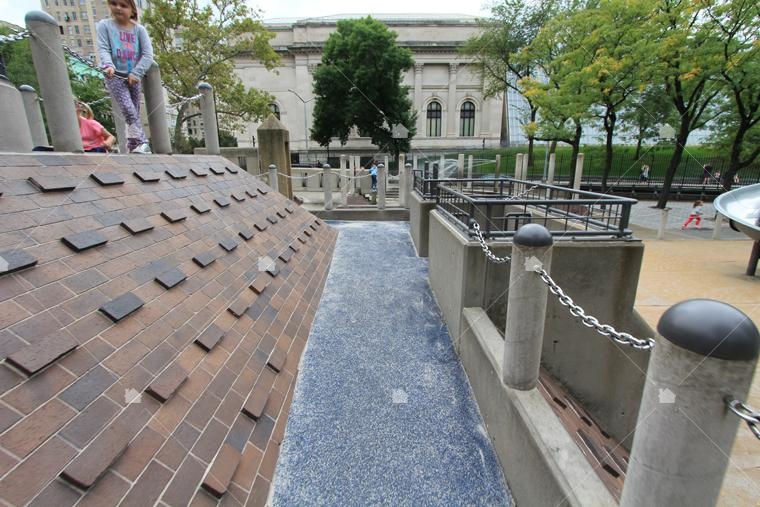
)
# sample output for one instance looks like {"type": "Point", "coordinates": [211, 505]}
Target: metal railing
{"type": "Point", "coordinates": [502, 206]}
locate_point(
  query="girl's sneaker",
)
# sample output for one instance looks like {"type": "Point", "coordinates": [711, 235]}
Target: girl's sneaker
{"type": "Point", "coordinates": [142, 149]}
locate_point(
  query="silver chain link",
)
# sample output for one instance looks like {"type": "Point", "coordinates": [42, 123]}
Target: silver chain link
{"type": "Point", "coordinates": [14, 37]}
{"type": "Point", "coordinates": [565, 300]}
{"type": "Point", "coordinates": [491, 256]}
{"type": "Point", "coordinates": [746, 413]}
{"type": "Point", "coordinates": [523, 193]}
{"type": "Point", "coordinates": [592, 322]}
{"type": "Point", "coordinates": [186, 100]}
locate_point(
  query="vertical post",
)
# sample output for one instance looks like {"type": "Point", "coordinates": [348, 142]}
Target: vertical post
{"type": "Point", "coordinates": [343, 180]}
{"type": "Point", "coordinates": [403, 174]}
{"type": "Point", "coordinates": [273, 178]}
{"type": "Point", "coordinates": [381, 179]}
{"type": "Point", "coordinates": [526, 306]}
{"type": "Point", "coordinates": [121, 126]}
{"type": "Point", "coordinates": [663, 223]}
{"type": "Point", "coordinates": [408, 184]}
{"type": "Point", "coordinates": [155, 106]}
{"type": "Point", "coordinates": [718, 223]}
{"type": "Point", "coordinates": [441, 165]}
{"type": "Point", "coordinates": [524, 170]}
{"type": "Point", "coordinates": [684, 431]}
{"type": "Point", "coordinates": [518, 166]}
{"type": "Point", "coordinates": [754, 257]}
{"type": "Point", "coordinates": [34, 115]}
{"type": "Point", "coordinates": [578, 173]}
{"type": "Point", "coordinates": [14, 133]}
{"type": "Point", "coordinates": [470, 161]}
{"type": "Point", "coordinates": [552, 168]}
{"type": "Point", "coordinates": [208, 112]}
{"type": "Point", "coordinates": [55, 88]}
{"type": "Point", "coordinates": [327, 186]}
{"type": "Point", "coordinates": [460, 165]}
{"type": "Point", "coordinates": [496, 171]}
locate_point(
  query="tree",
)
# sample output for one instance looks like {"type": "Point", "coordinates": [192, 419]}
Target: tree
{"type": "Point", "coordinates": [197, 41]}
{"type": "Point", "coordinates": [687, 61]}
{"type": "Point", "coordinates": [735, 25]}
{"type": "Point", "coordinates": [648, 109]}
{"type": "Point", "coordinates": [90, 89]}
{"type": "Point", "coordinates": [358, 85]}
{"type": "Point", "coordinates": [513, 26]}
{"type": "Point", "coordinates": [17, 57]}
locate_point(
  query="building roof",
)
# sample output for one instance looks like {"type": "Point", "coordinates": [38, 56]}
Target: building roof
{"type": "Point", "coordinates": [153, 310]}
{"type": "Point", "coordinates": [388, 18]}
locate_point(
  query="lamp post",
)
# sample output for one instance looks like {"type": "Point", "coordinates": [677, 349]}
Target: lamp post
{"type": "Point", "coordinates": [305, 122]}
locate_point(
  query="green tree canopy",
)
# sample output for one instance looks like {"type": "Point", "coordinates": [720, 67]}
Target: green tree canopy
{"type": "Point", "coordinates": [196, 41]}
{"type": "Point", "coordinates": [358, 85]}
{"type": "Point", "coordinates": [17, 57]}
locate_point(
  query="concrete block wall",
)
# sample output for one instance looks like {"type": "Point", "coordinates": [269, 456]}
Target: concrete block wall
{"type": "Point", "coordinates": [600, 276]}
{"type": "Point", "coordinates": [419, 222]}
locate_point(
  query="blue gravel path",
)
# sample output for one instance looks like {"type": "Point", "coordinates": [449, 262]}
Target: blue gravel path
{"type": "Point", "coordinates": [383, 413]}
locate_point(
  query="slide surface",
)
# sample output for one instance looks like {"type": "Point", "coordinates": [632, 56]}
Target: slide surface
{"type": "Point", "coordinates": [742, 207]}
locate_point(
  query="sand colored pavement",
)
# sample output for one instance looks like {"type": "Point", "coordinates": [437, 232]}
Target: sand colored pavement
{"type": "Point", "coordinates": [677, 269]}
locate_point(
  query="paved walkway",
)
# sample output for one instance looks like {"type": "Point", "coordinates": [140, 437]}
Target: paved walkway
{"type": "Point", "coordinates": [689, 264]}
{"type": "Point", "coordinates": [383, 413]}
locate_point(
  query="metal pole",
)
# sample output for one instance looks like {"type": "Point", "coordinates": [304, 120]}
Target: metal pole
{"type": "Point", "coordinates": [208, 112]}
{"type": "Point", "coordinates": [526, 306]}
{"type": "Point", "coordinates": [685, 431]}
{"type": "Point", "coordinates": [53, 75]}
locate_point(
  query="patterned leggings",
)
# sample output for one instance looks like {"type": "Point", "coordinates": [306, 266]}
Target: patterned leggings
{"type": "Point", "coordinates": [128, 99]}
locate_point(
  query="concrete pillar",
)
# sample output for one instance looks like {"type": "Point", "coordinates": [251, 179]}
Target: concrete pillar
{"type": "Point", "coordinates": [497, 172]}
{"type": "Point", "coordinates": [53, 76]}
{"type": "Point", "coordinates": [460, 165]}
{"type": "Point", "coordinates": [208, 112]}
{"type": "Point", "coordinates": [470, 162]}
{"type": "Point", "coordinates": [578, 173]}
{"type": "Point", "coordinates": [274, 148]}
{"type": "Point", "coordinates": [421, 116]}
{"type": "Point", "coordinates": [155, 106]}
{"type": "Point", "coordinates": [518, 165]}
{"type": "Point", "coordinates": [414, 162]}
{"type": "Point", "coordinates": [121, 126]}
{"type": "Point", "coordinates": [343, 181]}
{"type": "Point", "coordinates": [552, 168]}
{"type": "Point", "coordinates": [663, 223]}
{"type": "Point", "coordinates": [441, 165]}
{"type": "Point", "coordinates": [273, 178]}
{"type": "Point", "coordinates": [14, 132]}
{"type": "Point", "coordinates": [524, 170]}
{"type": "Point", "coordinates": [451, 107]}
{"type": "Point", "coordinates": [382, 172]}
{"type": "Point", "coordinates": [406, 190]}
{"type": "Point", "coordinates": [33, 116]}
{"type": "Point", "coordinates": [526, 306]}
{"type": "Point", "coordinates": [327, 186]}
{"type": "Point", "coordinates": [684, 431]}
{"type": "Point", "coordinates": [718, 224]}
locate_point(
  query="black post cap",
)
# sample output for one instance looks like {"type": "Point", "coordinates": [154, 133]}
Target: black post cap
{"type": "Point", "coordinates": [533, 235]}
{"type": "Point", "coordinates": [711, 328]}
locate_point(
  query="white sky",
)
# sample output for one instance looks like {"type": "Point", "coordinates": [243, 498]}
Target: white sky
{"type": "Point", "coordinates": [15, 10]}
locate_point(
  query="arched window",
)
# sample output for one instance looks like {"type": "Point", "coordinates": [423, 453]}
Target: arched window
{"type": "Point", "coordinates": [467, 120]}
{"type": "Point", "coordinates": [275, 110]}
{"type": "Point", "coordinates": [434, 119]}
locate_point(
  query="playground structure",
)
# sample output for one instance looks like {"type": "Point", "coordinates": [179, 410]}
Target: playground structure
{"type": "Point", "coordinates": [742, 209]}
{"type": "Point", "coordinates": [495, 296]}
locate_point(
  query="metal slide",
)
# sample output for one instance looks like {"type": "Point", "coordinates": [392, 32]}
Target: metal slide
{"type": "Point", "coordinates": [742, 208]}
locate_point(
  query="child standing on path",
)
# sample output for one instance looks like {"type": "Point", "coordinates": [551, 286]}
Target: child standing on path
{"type": "Point", "coordinates": [695, 214]}
{"type": "Point", "coordinates": [124, 47]}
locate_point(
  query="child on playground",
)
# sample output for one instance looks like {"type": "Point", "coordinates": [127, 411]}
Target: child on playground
{"type": "Point", "coordinates": [124, 47]}
{"type": "Point", "coordinates": [95, 137]}
{"type": "Point", "coordinates": [695, 214]}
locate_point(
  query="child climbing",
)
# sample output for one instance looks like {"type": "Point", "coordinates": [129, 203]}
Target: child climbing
{"type": "Point", "coordinates": [124, 47]}
{"type": "Point", "coordinates": [695, 214]}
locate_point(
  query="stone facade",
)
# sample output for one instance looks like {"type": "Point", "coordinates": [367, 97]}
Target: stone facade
{"type": "Point", "coordinates": [439, 74]}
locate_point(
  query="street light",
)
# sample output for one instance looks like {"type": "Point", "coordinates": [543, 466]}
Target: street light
{"type": "Point", "coordinates": [305, 123]}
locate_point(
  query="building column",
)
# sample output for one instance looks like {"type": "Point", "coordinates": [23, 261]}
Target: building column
{"type": "Point", "coordinates": [421, 115]}
{"type": "Point", "coordinates": [451, 113]}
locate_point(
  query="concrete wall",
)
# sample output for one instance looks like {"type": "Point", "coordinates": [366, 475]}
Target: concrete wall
{"type": "Point", "coordinates": [600, 276]}
{"type": "Point", "coordinates": [541, 463]}
{"type": "Point", "coordinates": [419, 222]}
{"type": "Point", "coordinates": [246, 158]}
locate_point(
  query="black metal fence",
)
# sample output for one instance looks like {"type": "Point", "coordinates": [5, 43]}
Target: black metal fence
{"type": "Point", "coordinates": [501, 206]}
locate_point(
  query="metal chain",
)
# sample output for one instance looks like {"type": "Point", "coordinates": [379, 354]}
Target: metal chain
{"type": "Point", "coordinates": [747, 413]}
{"type": "Point", "coordinates": [99, 101]}
{"type": "Point", "coordinates": [491, 256]}
{"type": "Point", "coordinates": [523, 193]}
{"type": "Point", "coordinates": [6, 39]}
{"type": "Point", "coordinates": [592, 322]}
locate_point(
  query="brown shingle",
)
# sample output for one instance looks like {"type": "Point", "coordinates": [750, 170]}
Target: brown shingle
{"type": "Point", "coordinates": [219, 475]}
{"type": "Point", "coordinates": [35, 357]}
{"type": "Point", "coordinates": [167, 383]}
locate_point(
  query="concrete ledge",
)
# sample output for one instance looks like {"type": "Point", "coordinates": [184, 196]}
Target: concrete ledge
{"type": "Point", "coordinates": [369, 214]}
{"type": "Point", "coordinates": [542, 464]}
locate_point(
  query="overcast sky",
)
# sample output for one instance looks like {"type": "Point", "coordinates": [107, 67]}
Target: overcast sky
{"type": "Point", "coordinates": [15, 10]}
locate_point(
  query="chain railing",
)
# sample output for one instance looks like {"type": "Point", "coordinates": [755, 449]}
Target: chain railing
{"type": "Point", "coordinates": [565, 300]}
{"type": "Point", "coordinates": [746, 413]}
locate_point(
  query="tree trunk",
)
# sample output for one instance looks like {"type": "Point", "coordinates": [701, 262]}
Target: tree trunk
{"type": "Point", "coordinates": [675, 160]}
{"type": "Point", "coordinates": [609, 127]}
{"type": "Point", "coordinates": [504, 135]}
{"type": "Point", "coordinates": [734, 163]}
{"type": "Point", "coordinates": [576, 144]}
{"type": "Point", "coordinates": [639, 139]}
{"type": "Point", "coordinates": [178, 127]}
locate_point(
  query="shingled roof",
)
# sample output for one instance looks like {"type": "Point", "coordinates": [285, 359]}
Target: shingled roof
{"type": "Point", "coordinates": [153, 310]}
